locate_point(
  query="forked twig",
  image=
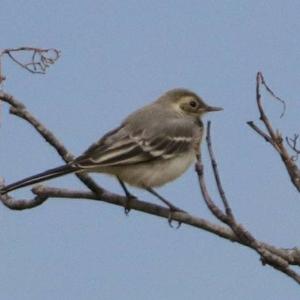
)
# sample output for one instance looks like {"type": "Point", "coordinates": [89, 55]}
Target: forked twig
{"type": "Point", "coordinates": [293, 144]}
{"type": "Point", "coordinates": [244, 236]}
{"type": "Point", "coordinates": [37, 61]}
{"type": "Point", "coordinates": [263, 82]}
{"type": "Point", "coordinates": [279, 258]}
{"type": "Point", "coordinates": [273, 136]}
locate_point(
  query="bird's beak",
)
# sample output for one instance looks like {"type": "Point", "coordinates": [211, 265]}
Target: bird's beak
{"type": "Point", "coordinates": [213, 108]}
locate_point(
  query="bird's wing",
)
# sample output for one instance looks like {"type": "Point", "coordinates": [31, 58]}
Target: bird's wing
{"type": "Point", "coordinates": [124, 147]}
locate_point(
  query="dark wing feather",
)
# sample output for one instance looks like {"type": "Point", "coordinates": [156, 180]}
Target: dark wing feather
{"type": "Point", "coordinates": [126, 146]}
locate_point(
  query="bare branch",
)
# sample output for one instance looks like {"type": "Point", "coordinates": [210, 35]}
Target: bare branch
{"type": "Point", "coordinates": [260, 132]}
{"type": "Point", "coordinates": [275, 137]}
{"type": "Point", "coordinates": [216, 211]}
{"type": "Point", "coordinates": [20, 204]}
{"type": "Point", "coordinates": [19, 109]}
{"type": "Point", "coordinates": [263, 116]}
{"type": "Point", "coordinates": [278, 258]}
{"type": "Point", "coordinates": [293, 144]}
{"type": "Point", "coordinates": [262, 79]}
{"type": "Point", "coordinates": [39, 61]}
{"type": "Point", "coordinates": [34, 60]}
{"type": "Point", "coordinates": [292, 256]}
{"type": "Point", "coordinates": [244, 236]}
{"type": "Point", "coordinates": [216, 173]}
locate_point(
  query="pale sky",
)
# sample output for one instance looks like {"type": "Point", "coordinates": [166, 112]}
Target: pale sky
{"type": "Point", "coordinates": [116, 57]}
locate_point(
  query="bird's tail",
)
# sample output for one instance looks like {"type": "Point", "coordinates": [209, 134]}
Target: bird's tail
{"type": "Point", "coordinates": [49, 174]}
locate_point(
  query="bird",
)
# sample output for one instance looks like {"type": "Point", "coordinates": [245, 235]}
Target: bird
{"type": "Point", "coordinates": [153, 146]}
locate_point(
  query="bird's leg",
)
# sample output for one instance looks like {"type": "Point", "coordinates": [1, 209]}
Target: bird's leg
{"type": "Point", "coordinates": [171, 206]}
{"type": "Point", "coordinates": [129, 196]}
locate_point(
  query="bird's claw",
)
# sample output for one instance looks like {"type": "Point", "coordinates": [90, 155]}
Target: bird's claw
{"type": "Point", "coordinates": [126, 210]}
{"type": "Point", "coordinates": [170, 217]}
{"type": "Point", "coordinates": [127, 207]}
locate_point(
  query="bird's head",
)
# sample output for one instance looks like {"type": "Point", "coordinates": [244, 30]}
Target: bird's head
{"type": "Point", "coordinates": [186, 102]}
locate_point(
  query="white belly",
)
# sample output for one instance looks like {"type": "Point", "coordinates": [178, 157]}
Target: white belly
{"type": "Point", "coordinates": [153, 174]}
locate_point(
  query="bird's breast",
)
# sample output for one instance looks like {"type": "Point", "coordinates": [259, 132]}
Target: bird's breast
{"type": "Point", "coordinates": [154, 174]}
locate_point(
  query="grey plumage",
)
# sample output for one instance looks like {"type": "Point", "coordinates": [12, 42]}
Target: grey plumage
{"type": "Point", "coordinates": [151, 147]}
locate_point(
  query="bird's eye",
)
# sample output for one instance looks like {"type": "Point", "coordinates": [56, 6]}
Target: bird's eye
{"type": "Point", "coordinates": [193, 103]}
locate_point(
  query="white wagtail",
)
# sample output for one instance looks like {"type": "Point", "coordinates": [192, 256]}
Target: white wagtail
{"type": "Point", "coordinates": [154, 145]}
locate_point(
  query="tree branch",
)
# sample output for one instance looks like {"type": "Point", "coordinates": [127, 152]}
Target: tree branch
{"type": "Point", "coordinates": [39, 59]}
{"type": "Point", "coordinates": [243, 236]}
{"type": "Point", "coordinates": [19, 109]}
{"type": "Point", "coordinates": [272, 136]}
{"type": "Point", "coordinates": [292, 256]}
{"type": "Point", "coordinates": [278, 258]}
{"type": "Point", "coordinates": [293, 144]}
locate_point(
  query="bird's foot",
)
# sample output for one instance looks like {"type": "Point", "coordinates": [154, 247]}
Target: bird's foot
{"type": "Point", "coordinates": [129, 197]}
{"type": "Point", "coordinates": [174, 209]}
{"type": "Point", "coordinates": [127, 208]}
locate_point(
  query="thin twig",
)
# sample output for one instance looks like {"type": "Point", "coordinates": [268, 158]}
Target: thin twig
{"type": "Point", "coordinates": [216, 172]}
{"type": "Point", "coordinates": [260, 77]}
{"type": "Point", "coordinates": [263, 116]}
{"type": "Point", "coordinates": [293, 144]}
{"type": "Point", "coordinates": [243, 235]}
{"type": "Point", "coordinates": [280, 259]}
{"type": "Point", "coordinates": [272, 136]}
{"type": "Point", "coordinates": [261, 132]}
{"type": "Point", "coordinates": [40, 59]}
{"type": "Point", "coordinates": [215, 210]}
